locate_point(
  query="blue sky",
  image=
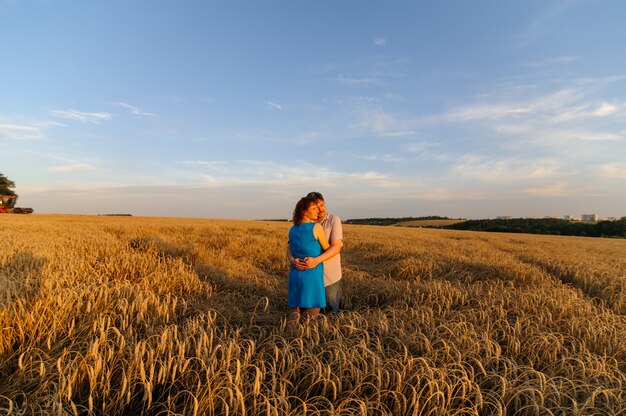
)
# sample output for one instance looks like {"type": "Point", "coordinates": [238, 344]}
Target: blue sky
{"type": "Point", "coordinates": [235, 109]}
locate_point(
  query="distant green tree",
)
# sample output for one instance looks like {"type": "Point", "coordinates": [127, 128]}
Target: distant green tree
{"type": "Point", "coordinates": [620, 227]}
{"type": "Point", "coordinates": [546, 226]}
{"type": "Point", "coordinates": [5, 185]}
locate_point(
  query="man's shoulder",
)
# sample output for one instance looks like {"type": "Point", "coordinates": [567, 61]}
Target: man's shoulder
{"type": "Point", "coordinates": [332, 219]}
{"type": "Point", "coordinates": [332, 227]}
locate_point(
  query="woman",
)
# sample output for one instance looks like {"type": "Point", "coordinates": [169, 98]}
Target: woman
{"type": "Point", "coordinates": [307, 239]}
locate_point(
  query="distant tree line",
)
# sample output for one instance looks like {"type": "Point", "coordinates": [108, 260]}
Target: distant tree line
{"type": "Point", "coordinates": [115, 215]}
{"type": "Point", "coordinates": [551, 226]}
{"type": "Point", "coordinates": [390, 221]}
{"type": "Point", "coordinates": [6, 186]}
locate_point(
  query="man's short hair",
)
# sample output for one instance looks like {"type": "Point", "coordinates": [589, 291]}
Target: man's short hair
{"type": "Point", "coordinates": [315, 195]}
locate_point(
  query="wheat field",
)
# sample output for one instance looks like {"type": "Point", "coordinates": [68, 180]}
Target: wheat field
{"type": "Point", "coordinates": [125, 315]}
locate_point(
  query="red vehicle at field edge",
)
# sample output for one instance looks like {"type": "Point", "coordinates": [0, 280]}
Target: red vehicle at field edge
{"type": "Point", "coordinates": [7, 206]}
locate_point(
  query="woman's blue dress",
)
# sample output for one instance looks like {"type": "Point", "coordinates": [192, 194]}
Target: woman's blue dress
{"type": "Point", "coordinates": [306, 287]}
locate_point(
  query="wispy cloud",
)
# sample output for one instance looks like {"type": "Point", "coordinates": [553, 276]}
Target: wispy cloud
{"type": "Point", "coordinates": [380, 41]}
{"type": "Point", "coordinates": [554, 190]}
{"type": "Point", "coordinates": [480, 112]}
{"type": "Point", "coordinates": [274, 105]}
{"type": "Point", "coordinates": [48, 123]}
{"type": "Point", "coordinates": [564, 136]}
{"type": "Point", "coordinates": [507, 170]}
{"type": "Point", "coordinates": [203, 163]}
{"type": "Point", "coordinates": [541, 25]}
{"type": "Point", "coordinates": [565, 59]}
{"type": "Point", "coordinates": [21, 132]}
{"type": "Point", "coordinates": [572, 113]}
{"type": "Point", "coordinates": [81, 116]}
{"type": "Point", "coordinates": [72, 168]}
{"type": "Point", "coordinates": [433, 193]}
{"type": "Point", "coordinates": [355, 80]}
{"type": "Point", "coordinates": [613, 171]}
{"type": "Point", "coordinates": [134, 110]}
{"type": "Point", "coordinates": [555, 101]}
{"type": "Point", "coordinates": [363, 72]}
{"type": "Point", "coordinates": [607, 109]}
{"type": "Point", "coordinates": [377, 122]}
{"type": "Point", "coordinates": [385, 157]}
{"type": "Point", "coordinates": [601, 109]}
{"type": "Point", "coordinates": [250, 172]}
{"type": "Point", "coordinates": [420, 147]}
{"type": "Point", "coordinates": [306, 137]}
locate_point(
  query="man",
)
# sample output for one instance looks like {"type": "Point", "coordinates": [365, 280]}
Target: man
{"type": "Point", "coordinates": [331, 257]}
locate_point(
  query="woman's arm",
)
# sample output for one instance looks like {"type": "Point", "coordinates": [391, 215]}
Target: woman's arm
{"type": "Point", "coordinates": [310, 262]}
{"type": "Point", "coordinates": [290, 257]}
{"type": "Point", "coordinates": [299, 264]}
{"type": "Point", "coordinates": [318, 232]}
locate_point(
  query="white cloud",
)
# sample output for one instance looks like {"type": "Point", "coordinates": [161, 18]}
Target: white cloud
{"type": "Point", "coordinates": [400, 133]}
{"type": "Point", "coordinates": [274, 105]}
{"type": "Point", "coordinates": [213, 165]}
{"type": "Point", "coordinates": [203, 162]}
{"type": "Point", "coordinates": [386, 157]}
{"type": "Point", "coordinates": [579, 135]}
{"type": "Point", "coordinates": [554, 102]}
{"type": "Point", "coordinates": [588, 111]}
{"type": "Point", "coordinates": [48, 123]}
{"type": "Point", "coordinates": [380, 123]}
{"type": "Point", "coordinates": [365, 71]}
{"type": "Point", "coordinates": [480, 112]}
{"type": "Point", "coordinates": [355, 81]}
{"type": "Point", "coordinates": [269, 173]}
{"type": "Point", "coordinates": [418, 147]}
{"type": "Point", "coordinates": [558, 189]}
{"type": "Point", "coordinates": [437, 194]}
{"type": "Point", "coordinates": [83, 117]}
{"type": "Point", "coordinates": [72, 168]}
{"type": "Point", "coordinates": [305, 137]}
{"type": "Point", "coordinates": [134, 110]}
{"type": "Point", "coordinates": [541, 25]}
{"type": "Point", "coordinates": [21, 132]}
{"type": "Point", "coordinates": [613, 171]}
{"type": "Point", "coordinates": [512, 129]}
{"type": "Point", "coordinates": [553, 61]}
{"type": "Point", "coordinates": [568, 115]}
{"type": "Point", "coordinates": [606, 109]}
{"type": "Point", "coordinates": [380, 41]}
{"type": "Point", "coordinates": [506, 170]}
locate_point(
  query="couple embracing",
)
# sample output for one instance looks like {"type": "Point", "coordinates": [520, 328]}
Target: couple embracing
{"type": "Point", "coordinates": [315, 241]}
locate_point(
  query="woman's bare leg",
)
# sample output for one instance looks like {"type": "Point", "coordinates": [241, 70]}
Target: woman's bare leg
{"type": "Point", "coordinates": [293, 317]}
{"type": "Point", "coordinates": [310, 313]}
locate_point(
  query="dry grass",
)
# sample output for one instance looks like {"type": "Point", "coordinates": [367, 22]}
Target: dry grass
{"type": "Point", "coordinates": [106, 315]}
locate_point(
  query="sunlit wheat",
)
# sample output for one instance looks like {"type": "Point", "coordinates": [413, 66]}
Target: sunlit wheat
{"type": "Point", "coordinates": [115, 315]}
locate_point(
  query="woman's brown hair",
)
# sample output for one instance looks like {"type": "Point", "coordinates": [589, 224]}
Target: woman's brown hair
{"type": "Point", "coordinates": [301, 207]}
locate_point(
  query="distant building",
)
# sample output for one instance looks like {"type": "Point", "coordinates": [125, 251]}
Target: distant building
{"type": "Point", "coordinates": [570, 218]}
{"type": "Point", "coordinates": [589, 217]}
{"type": "Point", "coordinates": [503, 217]}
